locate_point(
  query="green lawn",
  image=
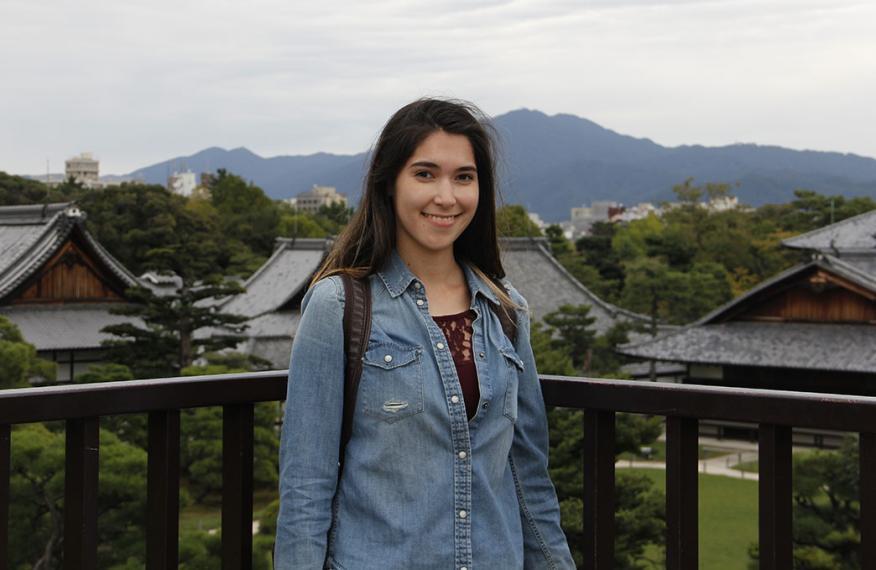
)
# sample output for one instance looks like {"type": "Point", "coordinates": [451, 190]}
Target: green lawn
{"type": "Point", "coordinates": [208, 515]}
{"type": "Point", "coordinates": [728, 518]}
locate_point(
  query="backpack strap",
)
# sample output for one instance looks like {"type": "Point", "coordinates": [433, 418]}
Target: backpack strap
{"type": "Point", "coordinates": [508, 321]}
{"type": "Point", "coordinates": [357, 330]}
{"type": "Point", "coordinates": [507, 316]}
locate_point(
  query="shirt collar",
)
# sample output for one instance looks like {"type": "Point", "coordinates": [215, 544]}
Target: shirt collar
{"type": "Point", "coordinates": [397, 278]}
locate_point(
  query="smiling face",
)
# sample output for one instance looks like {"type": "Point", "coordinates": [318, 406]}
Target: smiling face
{"type": "Point", "coordinates": [436, 195]}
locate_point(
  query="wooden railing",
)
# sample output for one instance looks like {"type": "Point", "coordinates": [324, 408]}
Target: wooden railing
{"type": "Point", "coordinates": [683, 406]}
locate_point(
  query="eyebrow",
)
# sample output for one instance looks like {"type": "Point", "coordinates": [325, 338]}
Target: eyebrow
{"type": "Point", "coordinates": [427, 164]}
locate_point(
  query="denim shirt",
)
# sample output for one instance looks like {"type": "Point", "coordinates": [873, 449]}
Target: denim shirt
{"type": "Point", "coordinates": [422, 487]}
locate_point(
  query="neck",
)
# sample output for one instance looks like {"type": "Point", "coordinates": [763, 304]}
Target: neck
{"type": "Point", "coordinates": [435, 268]}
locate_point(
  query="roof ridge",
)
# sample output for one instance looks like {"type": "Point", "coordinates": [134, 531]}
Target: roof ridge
{"type": "Point", "coordinates": [21, 267]}
{"type": "Point", "coordinates": [611, 308]}
{"type": "Point", "coordinates": [31, 214]}
{"type": "Point", "coordinates": [789, 242]}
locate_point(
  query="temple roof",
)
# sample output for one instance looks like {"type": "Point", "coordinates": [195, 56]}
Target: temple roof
{"type": "Point", "coordinates": [856, 235]}
{"type": "Point", "coordinates": [30, 235]}
{"type": "Point", "coordinates": [838, 347]}
{"type": "Point", "coordinates": [65, 327]}
{"type": "Point", "coordinates": [717, 339]}
{"type": "Point", "coordinates": [546, 284]}
{"type": "Point", "coordinates": [286, 273]}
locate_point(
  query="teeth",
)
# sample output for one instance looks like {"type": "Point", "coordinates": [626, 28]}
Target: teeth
{"type": "Point", "coordinates": [439, 218]}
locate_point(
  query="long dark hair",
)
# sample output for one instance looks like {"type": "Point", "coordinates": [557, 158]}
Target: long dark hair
{"type": "Point", "coordinates": [368, 240]}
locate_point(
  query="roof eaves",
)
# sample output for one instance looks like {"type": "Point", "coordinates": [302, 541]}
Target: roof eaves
{"type": "Point", "coordinates": [114, 264]}
{"type": "Point", "coordinates": [757, 289]}
{"type": "Point", "coordinates": [541, 246]}
{"type": "Point", "coordinates": [43, 247]}
{"type": "Point", "coordinates": [793, 242]}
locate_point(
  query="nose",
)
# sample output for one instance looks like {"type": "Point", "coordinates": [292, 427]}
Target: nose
{"type": "Point", "coordinates": [444, 195]}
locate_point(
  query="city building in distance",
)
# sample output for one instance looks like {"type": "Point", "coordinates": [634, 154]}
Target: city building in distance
{"type": "Point", "coordinates": [312, 200]}
{"type": "Point", "coordinates": [84, 168]}
{"type": "Point", "coordinates": [182, 183]}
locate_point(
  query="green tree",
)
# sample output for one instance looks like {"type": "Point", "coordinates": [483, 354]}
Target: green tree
{"type": "Point", "coordinates": [674, 296]}
{"type": "Point", "coordinates": [168, 339]}
{"type": "Point", "coordinates": [246, 214]}
{"type": "Point", "coordinates": [17, 190]}
{"type": "Point", "coordinates": [513, 221]}
{"type": "Point", "coordinates": [37, 509]}
{"type": "Point", "coordinates": [596, 250]}
{"type": "Point", "coordinates": [827, 509]}
{"type": "Point", "coordinates": [574, 333]}
{"type": "Point", "coordinates": [201, 447]}
{"type": "Point", "coordinates": [19, 364]}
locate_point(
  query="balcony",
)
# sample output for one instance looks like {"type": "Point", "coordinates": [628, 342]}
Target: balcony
{"type": "Point", "coordinates": [683, 406]}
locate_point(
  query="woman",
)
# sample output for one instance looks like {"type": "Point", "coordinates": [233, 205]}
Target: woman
{"type": "Point", "coordinates": [446, 465]}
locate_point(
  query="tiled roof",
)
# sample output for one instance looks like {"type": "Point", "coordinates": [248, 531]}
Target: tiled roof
{"type": "Point", "coordinates": [831, 264]}
{"type": "Point", "coordinates": [287, 271]}
{"type": "Point", "coordinates": [546, 285]}
{"type": "Point", "coordinates": [64, 327]}
{"type": "Point", "coordinates": [853, 235]}
{"type": "Point", "coordinates": [838, 347]}
{"type": "Point", "coordinates": [30, 235]}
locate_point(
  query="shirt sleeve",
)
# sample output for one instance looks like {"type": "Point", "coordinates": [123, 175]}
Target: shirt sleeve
{"type": "Point", "coordinates": [311, 431]}
{"type": "Point", "coordinates": [544, 542]}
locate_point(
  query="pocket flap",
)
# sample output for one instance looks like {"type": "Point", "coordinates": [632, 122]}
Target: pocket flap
{"type": "Point", "coordinates": [389, 356]}
{"type": "Point", "coordinates": [511, 355]}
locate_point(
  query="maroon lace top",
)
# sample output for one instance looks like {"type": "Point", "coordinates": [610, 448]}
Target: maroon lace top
{"type": "Point", "coordinates": [458, 331]}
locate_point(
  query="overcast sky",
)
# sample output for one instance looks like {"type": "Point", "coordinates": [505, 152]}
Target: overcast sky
{"type": "Point", "coordinates": [138, 82]}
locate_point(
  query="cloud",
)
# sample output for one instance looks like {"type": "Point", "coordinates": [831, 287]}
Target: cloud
{"type": "Point", "coordinates": [138, 82]}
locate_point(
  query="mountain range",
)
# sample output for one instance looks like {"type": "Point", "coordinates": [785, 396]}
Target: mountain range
{"type": "Point", "coordinates": [553, 163]}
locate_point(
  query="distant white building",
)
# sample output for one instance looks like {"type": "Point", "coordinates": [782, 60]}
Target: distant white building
{"type": "Point", "coordinates": [84, 168]}
{"type": "Point", "coordinates": [536, 219]}
{"type": "Point", "coordinates": [182, 183]}
{"type": "Point", "coordinates": [722, 204]}
{"type": "Point", "coordinates": [584, 217]}
{"type": "Point", "coordinates": [317, 197]}
{"type": "Point", "coordinates": [638, 212]}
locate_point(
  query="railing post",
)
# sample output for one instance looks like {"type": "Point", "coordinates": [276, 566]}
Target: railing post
{"type": "Point", "coordinates": [80, 493]}
{"type": "Point", "coordinates": [774, 458]}
{"type": "Point", "coordinates": [5, 470]}
{"type": "Point", "coordinates": [162, 492]}
{"type": "Point", "coordinates": [598, 520]}
{"type": "Point", "coordinates": [867, 451]}
{"type": "Point", "coordinates": [682, 495]}
{"type": "Point", "coordinates": [237, 465]}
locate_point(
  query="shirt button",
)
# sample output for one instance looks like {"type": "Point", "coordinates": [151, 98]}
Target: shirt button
{"type": "Point", "coordinates": [482, 355]}
{"type": "Point", "coordinates": [387, 358]}
{"type": "Point", "coordinates": [419, 302]}
{"type": "Point", "coordinates": [454, 399]}
{"type": "Point", "coordinates": [485, 405]}
{"type": "Point", "coordinates": [462, 514]}
{"type": "Point", "coordinates": [440, 346]}
{"type": "Point", "coordinates": [462, 455]}
{"type": "Point", "coordinates": [463, 568]}
{"type": "Point", "coordinates": [417, 285]}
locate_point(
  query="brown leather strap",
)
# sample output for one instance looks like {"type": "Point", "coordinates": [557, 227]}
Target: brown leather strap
{"type": "Point", "coordinates": [357, 330]}
{"type": "Point", "coordinates": [508, 320]}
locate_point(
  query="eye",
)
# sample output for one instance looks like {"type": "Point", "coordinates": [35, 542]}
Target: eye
{"type": "Point", "coordinates": [466, 177]}
{"type": "Point", "coordinates": [425, 174]}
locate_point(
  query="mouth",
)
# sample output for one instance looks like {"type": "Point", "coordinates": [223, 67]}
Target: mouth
{"type": "Point", "coordinates": [440, 220]}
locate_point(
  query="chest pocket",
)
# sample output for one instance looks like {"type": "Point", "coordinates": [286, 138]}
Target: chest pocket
{"type": "Point", "coordinates": [392, 381]}
{"type": "Point", "coordinates": [512, 368]}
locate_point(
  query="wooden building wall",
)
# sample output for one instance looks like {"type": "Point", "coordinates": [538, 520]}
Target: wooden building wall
{"type": "Point", "coordinates": [71, 275]}
{"type": "Point", "coordinates": [819, 297]}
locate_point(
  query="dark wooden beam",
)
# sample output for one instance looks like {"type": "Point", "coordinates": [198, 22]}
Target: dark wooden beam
{"type": "Point", "coordinates": [162, 493]}
{"type": "Point", "coordinates": [598, 523]}
{"type": "Point", "coordinates": [80, 493]}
